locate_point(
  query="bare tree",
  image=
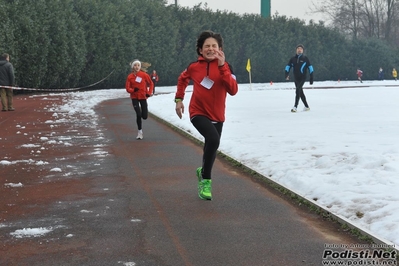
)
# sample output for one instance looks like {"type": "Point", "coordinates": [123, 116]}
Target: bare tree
{"type": "Point", "coordinates": [343, 14]}
{"type": "Point", "coordinates": [391, 18]}
{"type": "Point", "coordinates": [362, 18]}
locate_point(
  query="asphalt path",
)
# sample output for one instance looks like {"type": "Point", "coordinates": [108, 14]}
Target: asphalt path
{"type": "Point", "coordinates": [139, 206]}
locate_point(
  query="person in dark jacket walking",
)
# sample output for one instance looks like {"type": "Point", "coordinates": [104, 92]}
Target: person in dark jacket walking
{"type": "Point", "coordinates": [6, 79]}
{"type": "Point", "coordinates": [381, 74]}
{"type": "Point", "coordinates": [300, 64]}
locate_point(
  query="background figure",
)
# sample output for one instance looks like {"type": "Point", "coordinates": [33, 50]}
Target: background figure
{"type": "Point", "coordinates": [154, 78]}
{"type": "Point", "coordinates": [394, 74]}
{"type": "Point", "coordinates": [213, 78]}
{"type": "Point", "coordinates": [359, 74]}
{"type": "Point", "coordinates": [140, 86]}
{"type": "Point", "coordinates": [7, 78]}
{"type": "Point", "coordinates": [300, 64]}
{"type": "Point", "coordinates": [381, 74]}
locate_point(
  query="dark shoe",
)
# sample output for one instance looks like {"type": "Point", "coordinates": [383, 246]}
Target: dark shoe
{"type": "Point", "coordinates": [4, 110]}
{"type": "Point", "coordinates": [11, 109]}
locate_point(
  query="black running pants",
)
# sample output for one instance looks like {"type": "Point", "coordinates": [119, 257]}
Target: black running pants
{"type": "Point", "coordinates": [299, 93]}
{"type": "Point", "coordinates": [141, 108]}
{"type": "Point", "coordinates": [211, 131]}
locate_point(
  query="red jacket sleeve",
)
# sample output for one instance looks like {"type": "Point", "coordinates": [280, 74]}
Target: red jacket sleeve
{"type": "Point", "coordinates": [229, 79]}
{"type": "Point", "coordinates": [128, 87]}
{"type": "Point", "coordinates": [182, 83]}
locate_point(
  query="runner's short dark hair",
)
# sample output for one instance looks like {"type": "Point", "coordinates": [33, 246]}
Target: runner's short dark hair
{"type": "Point", "coordinates": [208, 34]}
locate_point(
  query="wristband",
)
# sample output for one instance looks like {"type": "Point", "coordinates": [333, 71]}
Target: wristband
{"type": "Point", "coordinates": [178, 100]}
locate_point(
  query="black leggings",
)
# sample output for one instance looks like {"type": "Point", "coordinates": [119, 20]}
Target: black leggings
{"type": "Point", "coordinates": [211, 131]}
{"type": "Point", "coordinates": [299, 93]}
{"type": "Point", "coordinates": [141, 108]}
{"type": "Point", "coordinates": [155, 83]}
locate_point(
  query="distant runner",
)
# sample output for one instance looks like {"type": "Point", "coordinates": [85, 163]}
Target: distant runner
{"type": "Point", "coordinates": [140, 86]}
{"type": "Point", "coordinates": [300, 64]}
{"type": "Point", "coordinates": [359, 74]}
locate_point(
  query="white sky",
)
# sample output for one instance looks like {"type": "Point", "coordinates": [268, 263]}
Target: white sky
{"type": "Point", "coordinates": [290, 8]}
{"type": "Point", "coordinates": [344, 152]}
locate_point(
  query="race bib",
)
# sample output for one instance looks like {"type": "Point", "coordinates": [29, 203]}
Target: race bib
{"type": "Point", "coordinates": [207, 83]}
{"type": "Point", "coordinates": [138, 79]}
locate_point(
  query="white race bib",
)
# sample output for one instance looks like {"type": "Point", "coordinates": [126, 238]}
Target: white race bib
{"type": "Point", "coordinates": [207, 83]}
{"type": "Point", "coordinates": [138, 79]}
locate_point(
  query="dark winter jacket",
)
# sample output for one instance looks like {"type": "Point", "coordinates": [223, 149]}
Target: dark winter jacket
{"type": "Point", "coordinates": [301, 64]}
{"type": "Point", "coordinates": [6, 73]}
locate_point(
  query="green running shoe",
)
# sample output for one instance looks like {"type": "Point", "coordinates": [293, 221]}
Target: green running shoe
{"type": "Point", "coordinates": [199, 176]}
{"type": "Point", "coordinates": [204, 186]}
{"type": "Point", "coordinates": [206, 189]}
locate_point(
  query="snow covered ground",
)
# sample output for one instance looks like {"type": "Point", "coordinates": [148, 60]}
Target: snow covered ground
{"type": "Point", "coordinates": [342, 154]}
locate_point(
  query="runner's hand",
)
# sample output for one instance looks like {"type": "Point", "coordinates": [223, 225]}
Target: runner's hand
{"type": "Point", "coordinates": [219, 54]}
{"type": "Point", "coordinates": [179, 109]}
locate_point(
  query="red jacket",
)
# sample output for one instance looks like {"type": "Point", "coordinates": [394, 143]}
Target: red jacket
{"type": "Point", "coordinates": [142, 81]}
{"type": "Point", "coordinates": [208, 102]}
{"type": "Point", "coordinates": [155, 77]}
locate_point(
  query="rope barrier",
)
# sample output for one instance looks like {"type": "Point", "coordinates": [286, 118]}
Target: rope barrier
{"type": "Point", "coordinates": [57, 90]}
